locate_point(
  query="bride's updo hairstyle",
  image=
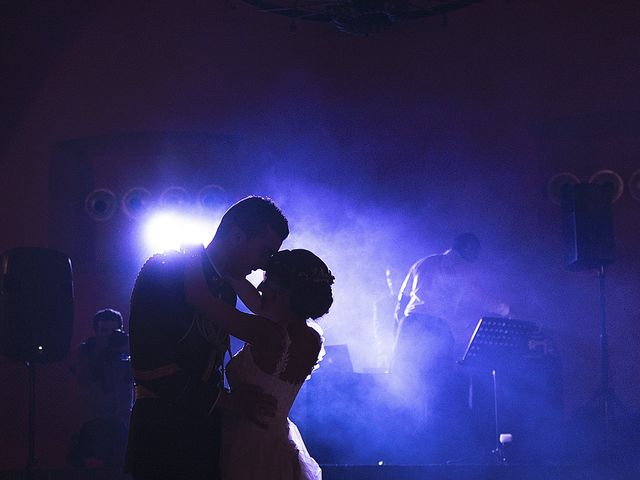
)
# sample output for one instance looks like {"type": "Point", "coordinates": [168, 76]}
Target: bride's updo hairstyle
{"type": "Point", "coordinates": [307, 278]}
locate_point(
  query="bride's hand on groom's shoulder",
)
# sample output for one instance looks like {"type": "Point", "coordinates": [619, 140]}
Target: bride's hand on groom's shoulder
{"type": "Point", "coordinates": [251, 402]}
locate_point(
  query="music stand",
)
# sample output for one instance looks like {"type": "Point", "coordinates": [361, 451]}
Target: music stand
{"type": "Point", "coordinates": [495, 343]}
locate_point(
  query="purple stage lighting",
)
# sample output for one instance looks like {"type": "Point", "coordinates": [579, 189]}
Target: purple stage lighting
{"type": "Point", "coordinates": [212, 197]}
{"type": "Point", "coordinates": [175, 198]}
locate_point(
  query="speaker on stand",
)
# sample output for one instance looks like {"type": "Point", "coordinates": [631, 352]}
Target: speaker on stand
{"type": "Point", "coordinates": [589, 244]}
{"type": "Point", "coordinates": [36, 315]}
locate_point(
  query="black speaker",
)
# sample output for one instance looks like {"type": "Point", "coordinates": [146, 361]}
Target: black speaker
{"type": "Point", "coordinates": [36, 304]}
{"type": "Point", "coordinates": [587, 226]}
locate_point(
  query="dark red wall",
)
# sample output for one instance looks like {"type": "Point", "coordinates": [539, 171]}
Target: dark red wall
{"type": "Point", "coordinates": [457, 124]}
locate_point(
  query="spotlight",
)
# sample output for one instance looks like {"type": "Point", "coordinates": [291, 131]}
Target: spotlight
{"type": "Point", "coordinates": [557, 183]}
{"type": "Point", "coordinates": [170, 231]}
{"type": "Point", "coordinates": [611, 179]}
{"type": "Point", "coordinates": [174, 197]}
{"type": "Point", "coordinates": [634, 185]}
{"type": "Point", "coordinates": [137, 202]}
{"type": "Point", "coordinates": [100, 204]}
{"type": "Point", "coordinates": [212, 197]}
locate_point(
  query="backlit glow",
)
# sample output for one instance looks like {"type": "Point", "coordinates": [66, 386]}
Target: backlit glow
{"type": "Point", "coordinates": [170, 231]}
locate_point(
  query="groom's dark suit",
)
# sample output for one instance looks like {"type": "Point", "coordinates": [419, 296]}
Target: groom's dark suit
{"type": "Point", "coordinates": [178, 369]}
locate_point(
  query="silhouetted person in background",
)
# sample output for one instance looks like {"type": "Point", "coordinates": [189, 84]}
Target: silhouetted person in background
{"type": "Point", "coordinates": [105, 386]}
{"type": "Point", "coordinates": [438, 304]}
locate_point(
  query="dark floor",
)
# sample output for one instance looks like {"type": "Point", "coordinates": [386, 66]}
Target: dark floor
{"type": "Point", "coordinates": [395, 472]}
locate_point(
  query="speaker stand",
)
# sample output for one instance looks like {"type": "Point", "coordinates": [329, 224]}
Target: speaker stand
{"type": "Point", "coordinates": [31, 428]}
{"type": "Point", "coordinates": [604, 404]}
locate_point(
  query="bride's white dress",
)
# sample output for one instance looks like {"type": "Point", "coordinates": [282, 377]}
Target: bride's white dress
{"type": "Point", "coordinates": [250, 452]}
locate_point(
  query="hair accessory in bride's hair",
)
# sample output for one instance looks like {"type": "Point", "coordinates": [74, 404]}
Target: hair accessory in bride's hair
{"type": "Point", "coordinates": [317, 275]}
{"type": "Point", "coordinates": [301, 266]}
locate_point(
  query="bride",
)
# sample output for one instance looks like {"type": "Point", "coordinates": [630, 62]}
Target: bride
{"type": "Point", "coordinates": [283, 347]}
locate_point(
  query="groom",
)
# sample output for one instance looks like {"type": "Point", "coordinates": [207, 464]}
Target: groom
{"type": "Point", "coordinates": [178, 359]}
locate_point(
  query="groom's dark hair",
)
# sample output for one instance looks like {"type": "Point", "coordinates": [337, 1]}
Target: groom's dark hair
{"type": "Point", "coordinates": [253, 215]}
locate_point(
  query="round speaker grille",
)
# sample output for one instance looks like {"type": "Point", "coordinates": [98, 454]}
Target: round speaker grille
{"type": "Point", "coordinates": [611, 179]}
{"type": "Point", "coordinates": [100, 204]}
{"type": "Point", "coordinates": [137, 202]}
{"type": "Point", "coordinates": [557, 182]}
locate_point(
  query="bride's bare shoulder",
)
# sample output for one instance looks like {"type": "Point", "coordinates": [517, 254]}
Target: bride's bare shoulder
{"type": "Point", "coordinates": [309, 337]}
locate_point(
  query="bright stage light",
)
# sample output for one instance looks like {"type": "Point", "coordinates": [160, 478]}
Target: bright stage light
{"type": "Point", "coordinates": [170, 231]}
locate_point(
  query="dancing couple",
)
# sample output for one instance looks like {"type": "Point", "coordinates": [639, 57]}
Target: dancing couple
{"type": "Point", "coordinates": [185, 424]}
